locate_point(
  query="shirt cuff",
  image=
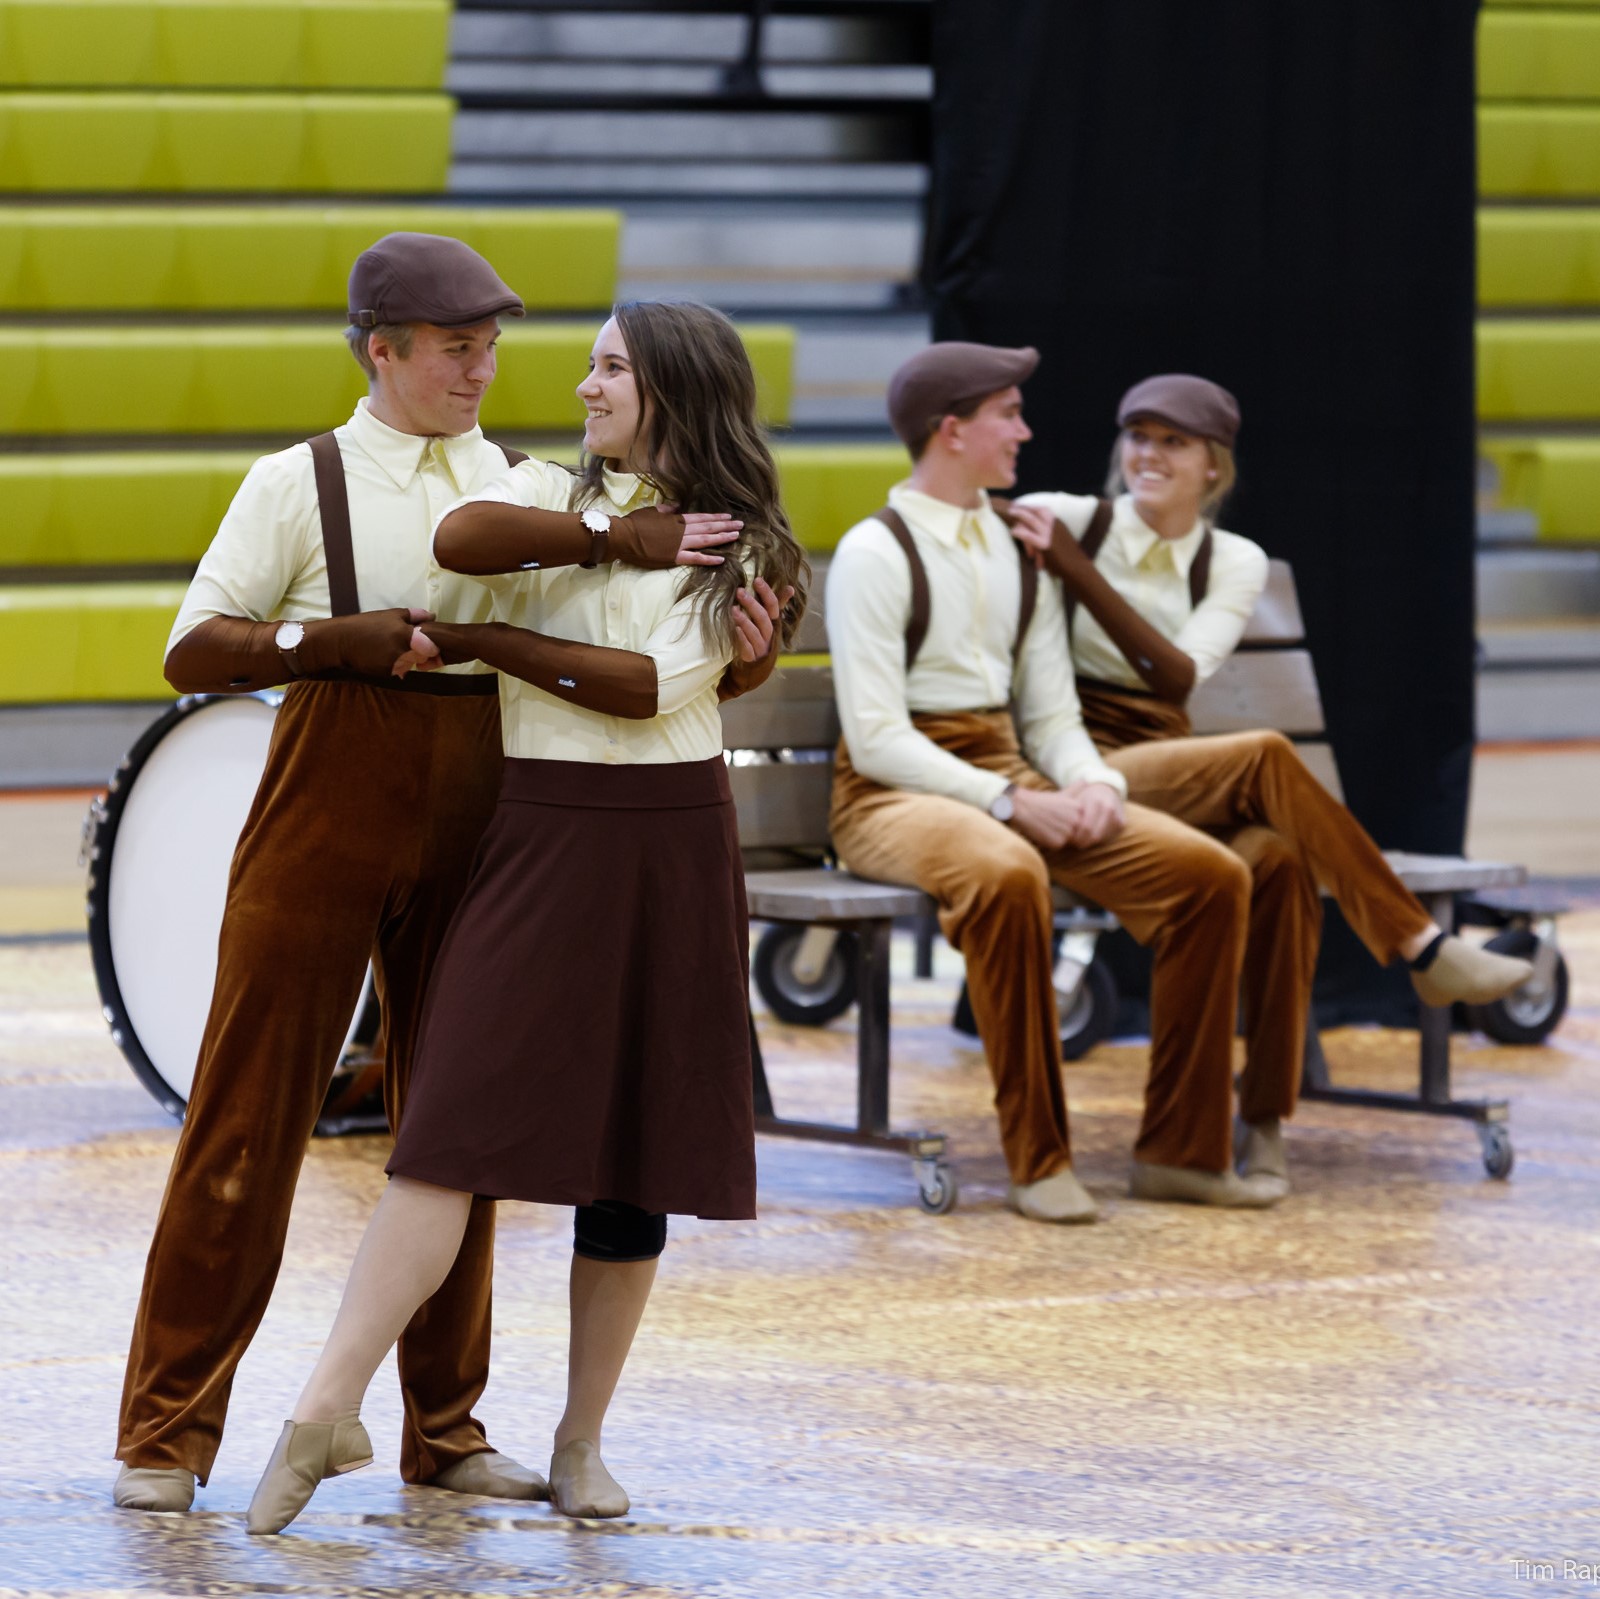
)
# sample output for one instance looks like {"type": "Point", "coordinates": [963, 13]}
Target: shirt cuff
{"type": "Point", "coordinates": [985, 788]}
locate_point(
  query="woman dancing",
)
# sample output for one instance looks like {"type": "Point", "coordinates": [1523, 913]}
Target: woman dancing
{"type": "Point", "coordinates": [1157, 597]}
{"type": "Point", "coordinates": [585, 1040]}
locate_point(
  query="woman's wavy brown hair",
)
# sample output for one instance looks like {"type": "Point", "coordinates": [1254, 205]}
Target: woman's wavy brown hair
{"type": "Point", "coordinates": [702, 438]}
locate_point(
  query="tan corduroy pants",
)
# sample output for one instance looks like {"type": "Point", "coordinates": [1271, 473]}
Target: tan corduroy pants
{"type": "Point", "coordinates": [358, 846]}
{"type": "Point", "coordinates": [1171, 886]}
{"type": "Point", "coordinates": [1257, 795]}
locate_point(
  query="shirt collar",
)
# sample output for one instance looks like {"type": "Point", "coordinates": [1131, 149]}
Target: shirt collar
{"type": "Point", "coordinates": [939, 518]}
{"type": "Point", "coordinates": [625, 490]}
{"type": "Point", "coordinates": [1139, 538]}
{"type": "Point", "coordinates": [401, 454]}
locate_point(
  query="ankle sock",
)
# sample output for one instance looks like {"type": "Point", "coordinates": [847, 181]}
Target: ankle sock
{"type": "Point", "coordinates": [1429, 954]}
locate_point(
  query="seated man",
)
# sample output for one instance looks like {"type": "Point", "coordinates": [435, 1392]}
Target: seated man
{"type": "Point", "coordinates": [938, 626]}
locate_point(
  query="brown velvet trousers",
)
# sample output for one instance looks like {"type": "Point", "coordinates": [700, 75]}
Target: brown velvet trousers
{"type": "Point", "coordinates": [1173, 887]}
{"type": "Point", "coordinates": [357, 847]}
{"type": "Point", "coordinates": [1254, 793]}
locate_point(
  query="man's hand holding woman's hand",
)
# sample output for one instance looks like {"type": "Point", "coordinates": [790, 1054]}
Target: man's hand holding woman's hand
{"type": "Point", "coordinates": [1082, 814]}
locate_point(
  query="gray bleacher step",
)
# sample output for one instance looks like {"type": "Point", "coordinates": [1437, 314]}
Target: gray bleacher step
{"type": "Point", "coordinates": [68, 746]}
{"type": "Point", "coordinates": [1538, 705]}
{"type": "Point", "coordinates": [468, 79]}
{"type": "Point", "coordinates": [1539, 680]}
{"type": "Point", "coordinates": [842, 368]}
{"type": "Point", "coordinates": [773, 137]}
{"type": "Point", "coordinates": [1538, 581]}
{"type": "Point", "coordinates": [607, 39]}
{"type": "Point", "coordinates": [759, 256]}
{"type": "Point", "coordinates": [608, 181]}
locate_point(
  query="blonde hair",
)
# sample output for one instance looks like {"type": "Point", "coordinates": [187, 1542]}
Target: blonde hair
{"type": "Point", "coordinates": [1211, 502]}
{"type": "Point", "coordinates": [399, 334]}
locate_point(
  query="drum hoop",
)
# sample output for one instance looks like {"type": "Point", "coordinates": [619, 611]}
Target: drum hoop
{"type": "Point", "coordinates": [97, 901]}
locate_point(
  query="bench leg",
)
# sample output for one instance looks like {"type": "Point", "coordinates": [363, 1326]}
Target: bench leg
{"type": "Point", "coordinates": [1433, 1021]}
{"type": "Point", "coordinates": [872, 1029]}
{"type": "Point", "coordinates": [927, 931]}
{"type": "Point", "coordinates": [1314, 1064]}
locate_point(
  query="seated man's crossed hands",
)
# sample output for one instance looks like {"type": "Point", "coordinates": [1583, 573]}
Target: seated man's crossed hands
{"type": "Point", "coordinates": [1079, 815]}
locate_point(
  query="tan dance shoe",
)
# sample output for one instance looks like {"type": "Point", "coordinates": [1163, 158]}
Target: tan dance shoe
{"type": "Point", "coordinates": [152, 1488]}
{"type": "Point", "coordinates": [493, 1476]}
{"type": "Point", "coordinates": [1258, 1149]}
{"type": "Point", "coordinates": [1464, 973]}
{"type": "Point", "coordinates": [308, 1452]}
{"type": "Point", "coordinates": [1185, 1186]}
{"type": "Point", "coordinates": [580, 1485]}
{"type": "Point", "coordinates": [1059, 1197]}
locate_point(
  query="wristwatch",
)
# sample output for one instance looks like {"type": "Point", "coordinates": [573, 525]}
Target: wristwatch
{"type": "Point", "coordinates": [599, 526]}
{"type": "Point", "coordinates": [1003, 807]}
{"type": "Point", "coordinates": [288, 638]}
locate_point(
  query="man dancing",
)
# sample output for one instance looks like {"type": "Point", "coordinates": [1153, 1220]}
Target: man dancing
{"type": "Point", "coordinates": [379, 781]}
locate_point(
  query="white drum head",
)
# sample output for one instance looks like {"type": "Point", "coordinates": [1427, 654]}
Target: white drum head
{"type": "Point", "coordinates": [168, 874]}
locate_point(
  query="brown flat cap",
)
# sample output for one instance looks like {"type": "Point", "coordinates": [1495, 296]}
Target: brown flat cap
{"type": "Point", "coordinates": [1191, 404]}
{"type": "Point", "coordinates": [938, 379]}
{"type": "Point", "coordinates": [424, 277]}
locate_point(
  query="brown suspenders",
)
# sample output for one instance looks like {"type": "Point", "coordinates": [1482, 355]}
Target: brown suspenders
{"type": "Point", "coordinates": [921, 602]}
{"type": "Point", "coordinates": [333, 506]}
{"type": "Point", "coordinates": [1094, 536]}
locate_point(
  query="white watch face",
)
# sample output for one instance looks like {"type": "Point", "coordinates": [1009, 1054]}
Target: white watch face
{"type": "Point", "coordinates": [289, 634]}
{"type": "Point", "coordinates": [596, 521]}
{"type": "Point", "coordinates": [1002, 809]}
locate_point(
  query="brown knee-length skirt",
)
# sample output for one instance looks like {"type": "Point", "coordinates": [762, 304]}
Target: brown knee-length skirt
{"type": "Point", "coordinates": [586, 1031]}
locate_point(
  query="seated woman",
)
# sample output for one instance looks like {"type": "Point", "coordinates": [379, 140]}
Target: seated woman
{"type": "Point", "coordinates": [1157, 597]}
{"type": "Point", "coordinates": [586, 1040]}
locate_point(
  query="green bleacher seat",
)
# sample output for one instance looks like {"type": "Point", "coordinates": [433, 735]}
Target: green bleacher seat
{"type": "Point", "coordinates": [1539, 55]}
{"type": "Point", "coordinates": [224, 44]}
{"type": "Point", "coordinates": [233, 379]}
{"type": "Point", "coordinates": [86, 641]}
{"type": "Point", "coordinates": [1538, 370]}
{"type": "Point", "coordinates": [1537, 256]}
{"type": "Point", "coordinates": [828, 488]}
{"type": "Point", "coordinates": [1539, 151]}
{"type": "Point", "coordinates": [292, 257]}
{"type": "Point", "coordinates": [160, 507]}
{"type": "Point", "coordinates": [1558, 479]}
{"type": "Point", "coordinates": [105, 143]}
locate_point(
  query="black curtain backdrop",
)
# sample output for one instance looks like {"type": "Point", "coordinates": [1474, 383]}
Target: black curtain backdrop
{"type": "Point", "coordinates": [1279, 197]}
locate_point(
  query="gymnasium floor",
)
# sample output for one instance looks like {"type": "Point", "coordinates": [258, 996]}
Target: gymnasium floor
{"type": "Point", "coordinates": [1386, 1387]}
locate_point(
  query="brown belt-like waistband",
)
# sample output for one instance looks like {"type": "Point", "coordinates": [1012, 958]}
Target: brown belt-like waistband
{"type": "Point", "coordinates": [435, 683]}
{"type": "Point", "coordinates": [1100, 685]}
{"type": "Point", "coordinates": [981, 710]}
{"type": "Point", "coordinates": [637, 786]}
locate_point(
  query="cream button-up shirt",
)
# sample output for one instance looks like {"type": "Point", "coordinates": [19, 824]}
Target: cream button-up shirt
{"type": "Point", "coordinates": [267, 562]}
{"type": "Point", "coordinates": [622, 607]}
{"type": "Point", "coordinates": [1152, 574]}
{"type": "Point", "coordinates": [969, 660]}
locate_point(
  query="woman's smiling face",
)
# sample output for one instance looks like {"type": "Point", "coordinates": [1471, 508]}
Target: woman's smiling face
{"type": "Point", "coordinates": [1168, 471]}
{"type": "Point", "coordinates": [610, 397]}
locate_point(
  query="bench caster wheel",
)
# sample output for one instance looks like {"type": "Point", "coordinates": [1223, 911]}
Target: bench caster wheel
{"type": "Point", "coordinates": [806, 975]}
{"type": "Point", "coordinates": [1532, 1012]}
{"type": "Point", "coordinates": [936, 1187]}
{"type": "Point", "coordinates": [1498, 1155]}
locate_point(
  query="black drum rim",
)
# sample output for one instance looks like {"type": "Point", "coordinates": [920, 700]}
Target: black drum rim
{"type": "Point", "coordinates": [97, 897]}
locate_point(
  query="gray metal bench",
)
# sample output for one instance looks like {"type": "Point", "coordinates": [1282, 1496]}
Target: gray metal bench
{"type": "Point", "coordinates": [783, 738]}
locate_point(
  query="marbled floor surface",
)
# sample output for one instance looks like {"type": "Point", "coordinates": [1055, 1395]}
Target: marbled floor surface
{"type": "Point", "coordinates": [1391, 1385]}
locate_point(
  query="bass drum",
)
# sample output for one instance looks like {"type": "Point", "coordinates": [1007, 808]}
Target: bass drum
{"type": "Point", "coordinates": [158, 844]}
